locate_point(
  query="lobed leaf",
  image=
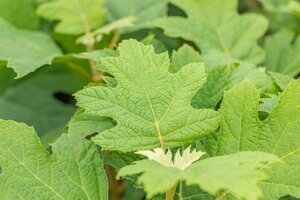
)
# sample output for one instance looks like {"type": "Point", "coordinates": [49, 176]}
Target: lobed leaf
{"type": "Point", "coordinates": [151, 106]}
{"type": "Point", "coordinates": [225, 32]}
{"type": "Point", "coordinates": [241, 130]}
{"type": "Point", "coordinates": [75, 16]}
{"type": "Point", "coordinates": [25, 51]}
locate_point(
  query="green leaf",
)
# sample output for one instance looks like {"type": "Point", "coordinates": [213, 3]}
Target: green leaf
{"type": "Point", "coordinates": [282, 53]}
{"type": "Point", "coordinates": [83, 124]}
{"type": "Point", "coordinates": [151, 106]}
{"type": "Point", "coordinates": [281, 80]}
{"type": "Point", "coordinates": [20, 13]}
{"type": "Point", "coordinates": [73, 171]}
{"type": "Point", "coordinates": [32, 99]}
{"type": "Point", "coordinates": [75, 16]}
{"type": "Point", "coordinates": [183, 56]}
{"type": "Point", "coordinates": [269, 103]}
{"type": "Point", "coordinates": [218, 80]}
{"type": "Point", "coordinates": [261, 79]}
{"type": "Point", "coordinates": [238, 174]}
{"type": "Point", "coordinates": [225, 32]}
{"type": "Point", "coordinates": [143, 11]}
{"type": "Point", "coordinates": [241, 130]}
{"type": "Point", "coordinates": [25, 51]}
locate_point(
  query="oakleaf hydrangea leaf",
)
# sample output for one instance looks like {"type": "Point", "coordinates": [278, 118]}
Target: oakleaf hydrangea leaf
{"type": "Point", "coordinates": [225, 32]}
{"type": "Point", "coordinates": [282, 53]}
{"type": "Point", "coordinates": [279, 133]}
{"type": "Point", "coordinates": [150, 105]}
{"type": "Point", "coordinates": [143, 11]}
{"type": "Point", "coordinates": [73, 171]}
{"type": "Point", "coordinates": [238, 173]}
{"type": "Point", "coordinates": [25, 51]}
{"type": "Point", "coordinates": [75, 16]}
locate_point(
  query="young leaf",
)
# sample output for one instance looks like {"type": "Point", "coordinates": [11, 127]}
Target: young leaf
{"type": "Point", "coordinates": [75, 16]}
{"type": "Point", "coordinates": [151, 106]}
{"type": "Point", "coordinates": [282, 53]}
{"type": "Point", "coordinates": [238, 174]}
{"type": "Point", "coordinates": [25, 51]}
{"type": "Point", "coordinates": [224, 32]}
{"type": "Point", "coordinates": [73, 171]}
{"type": "Point", "coordinates": [279, 133]}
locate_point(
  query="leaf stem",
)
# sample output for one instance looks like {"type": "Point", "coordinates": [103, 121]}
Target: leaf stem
{"type": "Point", "coordinates": [171, 193]}
{"type": "Point", "coordinates": [96, 75]}
{"type": "Point", "coordinates": [180, 191]}
{"type": "Point", "coordinates": [114, 40]}
{"type": "Point", "coordinates": [222, 195]}
{"type": "Point", "coordinates": [79, 70]}
{"type": "Point", "coordinates": [116, 188]}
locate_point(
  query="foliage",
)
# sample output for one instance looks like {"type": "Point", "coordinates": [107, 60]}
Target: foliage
{"type": "Point", "coordinates": [152, 99]}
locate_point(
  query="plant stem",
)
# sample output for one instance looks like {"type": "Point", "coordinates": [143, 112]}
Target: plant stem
{"type": "Point", "coordinates": [180, 191]}
{"type": "Point", "coordinates": [116, 188]}
{"type": "Point", "coordinates": [171, 193]}
{"type": "Point", "coordinates": [222, 195]}
{"type": "Point", "coordinates": [114, 40]}
{"type": "Point", "coordinates": [96, 75]}
{"type": "Point", "coordinates": [79, 70]}
{"type": "Point", "coordinates": [253, 5]}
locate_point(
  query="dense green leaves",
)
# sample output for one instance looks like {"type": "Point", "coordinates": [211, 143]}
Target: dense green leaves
{"type": "Point", "coordinates": [211, 32]}
{"type": "Point", "coordinates": [219, 77]}
{"type": "Point", "coordinates": [241, 130]}
{"type": "Point", "coordinates": [25, 51]}
{"type": "Point", "coordinates": [151, 106]}
{"type": "Point", "coordinates": [75, 16]}
{"type": "Point", "coordinates": [73, 171]}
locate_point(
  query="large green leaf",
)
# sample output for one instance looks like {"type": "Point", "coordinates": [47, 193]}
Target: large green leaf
{"type": "Point", "coordinates": [151, 105]}
{"type": "Point", "coordinates": [25, 51]}
{"type": "Point", "coordinates": [282, 53]}
{"type": "Point", "coordinates": [238, 174]}
{"type": "Point", "coordinates": [241, 130]}
{"type": "Point", "coordinates": [73, 171]}
{"type": "Point", "coordinates": [224, 32]}
{"type": "Point", "coordinates": [20, 13]}
{"type": "Point", "coordinates": [32, 98]}
{"type": "Point", "coordinates": [75, 16]}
